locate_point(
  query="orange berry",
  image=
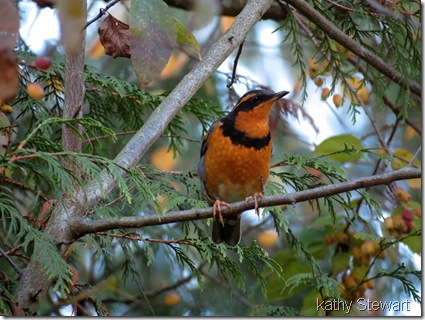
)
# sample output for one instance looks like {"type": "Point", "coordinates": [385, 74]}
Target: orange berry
{"type": "Point", "coordinates": [172, 299]}
{"type": "Point", "coordinates": [352, 233]}
{"type": "Point", "coordinates": [418, 212]}
{"type": "Point", "coordinates": [342, 238]}
{"type": "Point", "coordinates": [402, 195]}
{"type": "Point", "coordinates": [35, 91]}
{"type": "Point", "coordinates": [362, 93]}
{"type": "Point", "coordinates": [363, 287]}
{"type": "Point", "coordinates": [389, 224]}
{"type": "Point", "coordinates": [370, 284]}
{"type": "Point", "coordinates": [399, 223]}
{"type": "Point", "coordinates": [267, 239]}
{"type": "Point", "coordinates": [337, 99]}
{"type": "Point", "coordinates": [357, 253]}
{"type": "Point", "coordinates": [325, 93]}
{"type": "Point", "coordinates": [382, 255]}
{"type": "Point", "coordinates": [365, 260]}
{"type": "Point", "coordinates": [329, 239]}
{"type": "Point", "coordinates": [349, 282]}
{"type": "Point", "coordinates": [370, 248]}
{"type": "Point", "coordinates": [6, 108]}
{"type": "Point", "coordinates": [318, 81]}
{"type": "Point", "coordinates": [313, 68]}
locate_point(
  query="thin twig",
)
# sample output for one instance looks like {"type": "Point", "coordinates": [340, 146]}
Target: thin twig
{"type": "Point", "coordinates": [14, 266]}
{"type": "Point", "coordinates": [415, 156]}
{"type": "Point", "coordinates": [102, 11]}
{"type": "Point", "coordinates": [27, 187]}
{"type": "Point", "coordinates": [235, 65]}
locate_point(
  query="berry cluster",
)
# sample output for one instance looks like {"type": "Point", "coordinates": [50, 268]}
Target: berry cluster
{"type": "Point", "coordinates": [353, 84]}
{"type": "Point", "coordinates": [401, 220]}
{"type": "Point", "coordinates": [361, 253]}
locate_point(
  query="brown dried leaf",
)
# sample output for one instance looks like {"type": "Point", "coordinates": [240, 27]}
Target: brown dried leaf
{"type": "Point", "coordinates": [9, 24]}
{"type": "Point", "coordinates": [115, 37]}
{"type": "Point", "coordinates": [9, 76]}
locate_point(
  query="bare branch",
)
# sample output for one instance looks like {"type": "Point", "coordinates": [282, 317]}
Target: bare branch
{"type": "Point", "coordinates": [101, 13]}
{"type": "Point", "coordinates": [234, 7]}
{"type": "Point", "coordinates": [235, 65]}
{"type": "Point", "coordinates": [83, 226]}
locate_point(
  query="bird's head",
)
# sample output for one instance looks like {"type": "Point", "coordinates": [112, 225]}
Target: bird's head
{"type": "Point", "coordinates": [252, 110]}
{"type": "Point", "coordinates": [257, 100]}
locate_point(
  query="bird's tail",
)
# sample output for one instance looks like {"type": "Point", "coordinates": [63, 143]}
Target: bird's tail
{"type": "Point", "coordinates": [229, 233]}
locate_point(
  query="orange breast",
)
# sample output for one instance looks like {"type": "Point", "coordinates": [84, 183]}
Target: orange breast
{"type": "Point", "coordinates": [234, 172]}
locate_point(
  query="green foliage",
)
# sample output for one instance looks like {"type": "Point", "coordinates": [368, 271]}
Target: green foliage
{"type": "Point", "coordinates": [402, 273]}
{"type": "Point", "coordinates": [274, 311]}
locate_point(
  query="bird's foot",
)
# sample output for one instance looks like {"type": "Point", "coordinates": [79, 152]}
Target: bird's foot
{"type": "Point", "coordinates": [255, 198]}
{"type": "Point", "coordinates": [217, 210]}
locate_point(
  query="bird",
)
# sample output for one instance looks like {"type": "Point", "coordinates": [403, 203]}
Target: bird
{"type": "Point", "coordinates": [235, 161]}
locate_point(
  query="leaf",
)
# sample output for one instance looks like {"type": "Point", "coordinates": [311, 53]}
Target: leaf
{"type": "Point", "coordinates": [152, 38]}
{"type": "Point", "coordinates": [9, 75]}
{"type": "Point", "coordinates": [9, 24]}
{"type": "Point", "coordinates": [114, 35]}
{"type": "Point", "coordinates": [340, 148]}
{"type": "Point", "coordinates": [184, 36]}
{"type": "Point", "coordinates": [72, 20]}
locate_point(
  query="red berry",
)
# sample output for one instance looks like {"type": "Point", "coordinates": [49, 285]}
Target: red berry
{"type": "Point", "coordinates": [407, 215]}
{"type": "Point", "coordinates": [43, 63]}
{"type": "Point", "coordinates": [409, 226]}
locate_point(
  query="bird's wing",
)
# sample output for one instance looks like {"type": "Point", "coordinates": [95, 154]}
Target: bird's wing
{"type": "Point", "coordinates": [201, 163]}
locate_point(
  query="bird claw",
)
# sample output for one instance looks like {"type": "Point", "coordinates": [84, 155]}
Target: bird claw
{"type": "Point", "coordinates": [217, 207]}
{"type": "Point", "coordinates": [255, 197]}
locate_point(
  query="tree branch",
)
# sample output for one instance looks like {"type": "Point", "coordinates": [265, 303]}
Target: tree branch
{"type": "Point", "coordinates": [83, 226]}
{"type": "Point", "coordinates": [233, 8]}
{"type": "Point", "coordinates": [334, 33]}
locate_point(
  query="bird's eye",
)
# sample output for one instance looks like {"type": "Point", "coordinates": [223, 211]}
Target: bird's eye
{"type": "Point", "coordinates": [255, 99]}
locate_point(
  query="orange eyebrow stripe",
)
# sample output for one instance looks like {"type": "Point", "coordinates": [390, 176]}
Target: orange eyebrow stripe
{"type": "Point", "coordinates": [247, 97]}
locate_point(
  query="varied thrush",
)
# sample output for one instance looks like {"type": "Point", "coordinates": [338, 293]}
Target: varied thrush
{"type": "Point", "coordinates": [235, 160]}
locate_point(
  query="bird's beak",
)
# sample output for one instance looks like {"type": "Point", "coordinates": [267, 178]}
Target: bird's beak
{"type": "Point", "coordinates": [276, 96]}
